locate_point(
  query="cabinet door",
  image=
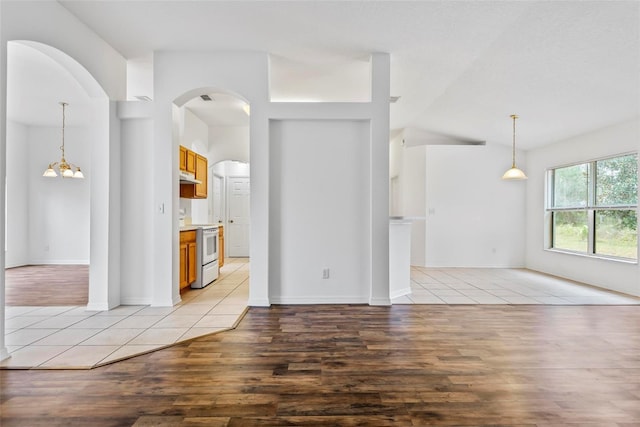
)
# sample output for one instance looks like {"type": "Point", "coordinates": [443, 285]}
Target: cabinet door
{"type": "Point", "coordinates": [220, 246]}
{"type": "Point", "coordinates": [183, 265]}
{"type": "Point", "coordinates": [183, 158]}
{"type": "Point", "coordinates": [192, 253]}
{"type": "Point", "coordinates": [201, 175]}
{"type": "Point", "coordinates": [191, 161]}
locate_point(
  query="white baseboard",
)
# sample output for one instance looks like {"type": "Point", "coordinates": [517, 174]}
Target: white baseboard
{"type": "Point", "coordinates": [4, 354]}
{"type": "Point", "coordinates": [58, 262]}
{"type": "Point", "coordinates": [401, 292]}
{"type": "Point", "coordinates": [135, 301]}
{"type": "Point", "coordinates": [319, 300]}
{"type": "Point", "coordinates": [259, 302]}
{"type": "Point", "coordinates": [380, 301]}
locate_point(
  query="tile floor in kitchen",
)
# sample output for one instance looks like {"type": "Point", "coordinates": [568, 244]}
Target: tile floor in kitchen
{"type": "Point", "coordinates": [70, 337]}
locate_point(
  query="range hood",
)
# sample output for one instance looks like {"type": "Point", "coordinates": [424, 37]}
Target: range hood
{"type": "Point", "coordinates": [188, 178]}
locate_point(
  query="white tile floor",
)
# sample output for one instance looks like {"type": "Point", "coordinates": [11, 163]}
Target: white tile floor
{"type": "Point", "coordinates": [502, 286]}
{"type": "Point", "coordinates": [71, 337]}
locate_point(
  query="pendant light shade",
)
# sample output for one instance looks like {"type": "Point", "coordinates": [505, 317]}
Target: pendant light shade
{"type": "Point", "coordinates": [514, 173]}
{"type": "Point", "coordinates": [65, 168]}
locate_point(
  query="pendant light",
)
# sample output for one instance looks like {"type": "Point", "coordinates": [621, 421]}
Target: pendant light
{"type": "Point", "coordinates": [65, 168]}
{"type": "Point", "coordinates": [514, 173]}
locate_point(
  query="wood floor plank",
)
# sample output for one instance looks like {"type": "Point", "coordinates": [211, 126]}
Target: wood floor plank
{"type": "Point", "coordinates": [352, 365]}
{"type": "Point", "coordinates": [47, 285]}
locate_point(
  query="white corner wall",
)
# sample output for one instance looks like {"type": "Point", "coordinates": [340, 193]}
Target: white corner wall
{"type": "Point", "coordinates": [17, 243]}
{"type": "Point", "coordinates": [319, 211]}
{"type": "Point", "coordinates": [474, 219]}
{"type": "Point", "coordinates": [609, 274]}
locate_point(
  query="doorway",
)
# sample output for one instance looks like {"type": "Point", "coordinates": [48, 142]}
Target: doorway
{"type": "Point", "coordinates": [230, 205]}
{"type": "Point", "coordinates": [48, 219]}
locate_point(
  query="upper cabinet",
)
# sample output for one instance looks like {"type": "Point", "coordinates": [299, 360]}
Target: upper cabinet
{"type": "Point", "coordinates": [187, 160]}
{"type": "Point", "coordinates": [196, 164]}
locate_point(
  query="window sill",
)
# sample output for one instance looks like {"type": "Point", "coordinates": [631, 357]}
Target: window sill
{"type": "Point", "coordinates": [599, 257]}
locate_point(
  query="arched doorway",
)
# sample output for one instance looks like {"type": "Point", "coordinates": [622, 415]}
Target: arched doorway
{"type": "Point", "coordinates": [215, 124]}
{"type": "Point", "coordinates": [50, 220]}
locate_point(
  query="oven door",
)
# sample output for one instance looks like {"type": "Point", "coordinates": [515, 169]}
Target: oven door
{"type": "Point", "coordinates": [210, 245]}
{"type": "Point", "coordinates": [209, 273]}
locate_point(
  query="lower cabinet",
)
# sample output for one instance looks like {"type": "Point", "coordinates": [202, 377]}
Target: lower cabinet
{"type": "Point", "coordinates": [188, 254]}
{"type": "Point", "coordinates": [220, 246]}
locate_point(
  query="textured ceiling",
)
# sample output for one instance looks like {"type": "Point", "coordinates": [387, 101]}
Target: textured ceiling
{"type": "Point", "coordinates": [460, 67]}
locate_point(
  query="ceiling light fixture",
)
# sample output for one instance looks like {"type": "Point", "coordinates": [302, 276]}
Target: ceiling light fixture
{"type": "Point", "coordinates": [65, 168]}
{"type": "Point", "coordinates": [514, 173]}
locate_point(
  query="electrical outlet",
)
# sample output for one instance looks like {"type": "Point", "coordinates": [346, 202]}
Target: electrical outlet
{"type": "Point", "coordinates": [325, 273]}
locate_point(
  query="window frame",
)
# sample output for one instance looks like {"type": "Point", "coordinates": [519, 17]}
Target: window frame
{"type": "Point", "coordinates": [590, 208]}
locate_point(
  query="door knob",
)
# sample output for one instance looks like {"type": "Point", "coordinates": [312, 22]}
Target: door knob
{"type": "Point", "coordinates": [231, 221]}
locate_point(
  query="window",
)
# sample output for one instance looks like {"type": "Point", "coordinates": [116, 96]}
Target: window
{"type": "Point", "coordinates": [593, 207]}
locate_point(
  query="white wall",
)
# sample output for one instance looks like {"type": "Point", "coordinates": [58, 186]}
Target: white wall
{"type": "Point", "coordinates": [319, 211]}
{"type": "Point", "coordinates": [140, 78]}
{"type": "Point", "coordinates": [17, 195]}
{"type": "Point", "coordinates": [58, 208]}
{"type": "Point", "coordinates": [229, 143]}
{"type": "Point", "coordinates": [474, 219]}
{"type": "Point", "coordinates": [136, 260]}
{"type": "Point", "coordinates": [178, 77]}
{"type": "Point", "coordinates": [618, 276]}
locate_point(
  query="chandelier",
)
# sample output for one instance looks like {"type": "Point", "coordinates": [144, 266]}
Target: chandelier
{"type": "Point", "coordinates": [514, 173]}
{"type": "Point", "coordinates": [65, 168]}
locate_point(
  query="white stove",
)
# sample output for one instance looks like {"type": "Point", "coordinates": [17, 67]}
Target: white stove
{"type": "Point", "coordinates": [207, 259]}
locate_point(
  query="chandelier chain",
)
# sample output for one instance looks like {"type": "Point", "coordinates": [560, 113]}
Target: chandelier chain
{"type": "Point", "coordinates": [513, 153]}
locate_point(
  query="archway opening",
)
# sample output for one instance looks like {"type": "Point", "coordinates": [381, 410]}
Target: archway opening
{"type": "Point", "coordinates": [214, 124]}
{"type": "Point", "coordinates": [49, 220]}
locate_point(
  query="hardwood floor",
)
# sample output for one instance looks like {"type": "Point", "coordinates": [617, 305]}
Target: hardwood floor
{"type": "Point", "coordinates": [47, 285]}
{"type": "Point", "coordinates": [340, 365]}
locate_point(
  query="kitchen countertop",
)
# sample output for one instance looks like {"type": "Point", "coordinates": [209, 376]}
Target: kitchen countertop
{"type": "Point", "coordinates": [191, 227]}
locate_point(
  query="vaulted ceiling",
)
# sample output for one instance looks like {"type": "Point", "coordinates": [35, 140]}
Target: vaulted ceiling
{"type": "Point", "coordinates": [460, 67]}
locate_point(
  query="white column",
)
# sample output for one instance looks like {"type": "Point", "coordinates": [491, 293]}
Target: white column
{"type": "Point", "coordinates": [259, 247]}
{"type": "Point", "coordinates": [3, 163]}
{"type": "Point", "coordinates": [104, 269]}
{"type": "Point", "coordinates": [166, 203]}
{"type": "Point", "coordinates": [380, 68]}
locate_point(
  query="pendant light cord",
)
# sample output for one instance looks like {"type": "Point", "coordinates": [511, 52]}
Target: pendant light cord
{"type": "Point", "coordinates": [513, 156]}
{"type": "Point", "coordinates": [64, 104]}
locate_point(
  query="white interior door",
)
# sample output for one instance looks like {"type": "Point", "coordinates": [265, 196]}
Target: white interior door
{"type": "Point", "coordinates": [237, 230]}
{"type": "Point", "coordinates": [217, 199]}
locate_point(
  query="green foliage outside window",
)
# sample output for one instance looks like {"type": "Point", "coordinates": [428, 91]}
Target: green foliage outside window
{"type": "Point", "coordinates": [603, 192]}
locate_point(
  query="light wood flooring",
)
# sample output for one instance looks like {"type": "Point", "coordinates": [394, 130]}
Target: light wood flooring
{"type": "Point", "coordinates": [47, 285]}
{"type": "Point", "coordinates": [341, 365]}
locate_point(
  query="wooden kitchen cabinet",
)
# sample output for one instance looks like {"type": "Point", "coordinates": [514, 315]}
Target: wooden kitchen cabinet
{"type": "Point", "coordinates": [196, 191]}
{"type": "Point", "coordinates": [220, 245]}
{"type": "Point", "coordinates": [187, 160]}
{"type": "Point", "coordinates": [183, 158]}
{"type": "Point", "coordinates": [188, 254]}
{"type": "Point", "coordinates": [191, 161]}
